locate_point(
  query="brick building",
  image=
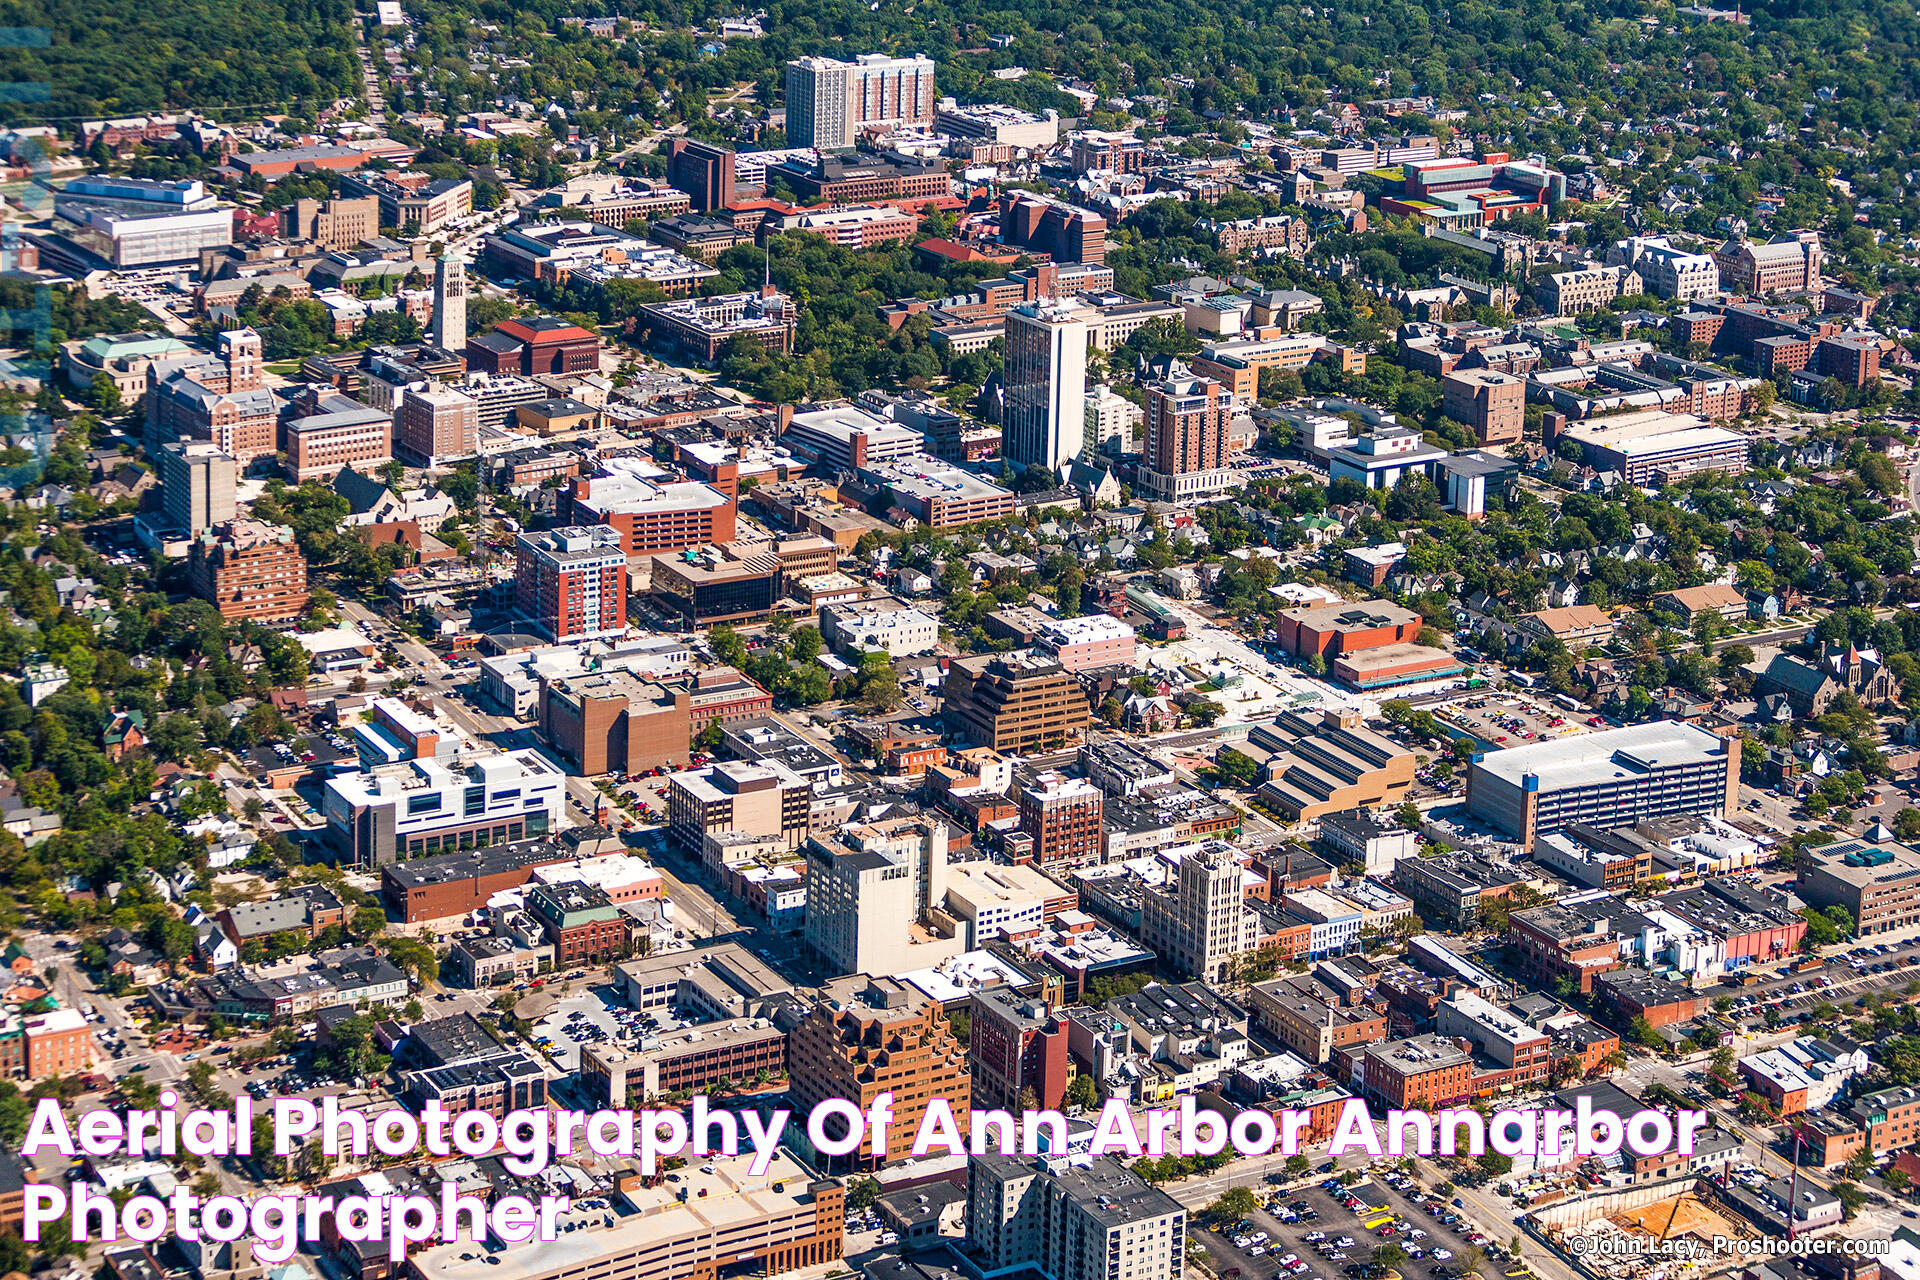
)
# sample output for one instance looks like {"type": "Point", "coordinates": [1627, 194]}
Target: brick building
{"type": "Point", "coordinates": [249, 570]}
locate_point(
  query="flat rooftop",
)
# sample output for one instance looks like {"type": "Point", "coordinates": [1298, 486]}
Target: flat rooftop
{"type": "Point", "coordinates": [1594, 758]}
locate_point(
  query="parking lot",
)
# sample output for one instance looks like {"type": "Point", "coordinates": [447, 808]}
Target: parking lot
{"type": "Point", "coordinates": [1511, 719]}
{"type": "Point", "coordinates": [593, 1015]}
{"type": "Point", "coordinates": [1346, 1243]}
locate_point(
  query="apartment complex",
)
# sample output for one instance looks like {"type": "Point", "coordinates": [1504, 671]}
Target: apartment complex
{"type": "Point", "coordinates": [1019, 1053]}
{"type": "Point", "coordinates": [830, 103]}
{"type": "Point", "coordinates": [1788, 263]}
{"type": "Point", "coordinates": [571, 583]}
{"type": "Point", "coordinates": [1046, 1215]}
{"type": "Point", "coordinates": [249, 570]}
{"type": "Point", "coordinates": [196, 485]}
{"type": "Point", "coordinates": [1186, 454]}
{"type": "Point", "coordinates": [1045, 419]}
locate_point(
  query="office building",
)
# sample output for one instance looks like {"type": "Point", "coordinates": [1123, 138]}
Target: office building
{"type": "Point", "coordinates": [1609, 779]}
{"type": "Point", "coordinates": [249, 570]}
{"type": "Point", "coordinates": [1200, 923]}
{"type": "Point", "coordinates": [830, 103]}
{"type": "Point", "coordinates": [703, 171]}
{"type": "Point", "coordinates": [1018, 1050]}
{"type": "Point", "coordinates": [449, 331]}
{"type": "Point", "coordinates": [1061, 815]}
{"type": "Point", "coordinates": [715, 585]}
{"type": "Point", "coordinates": [571, 583]}
{"type": "Point", "coordinates": [1046, 384]}
{"type": "Point", "coordinates": [1044, 1215]}
{"type": "Point", "coordinates": [870, 890]}
{"type": "Point", "coordinates": [1878, 884]}
{"type": "Point", "coordinates": [427, 805]}
{"type": "Point", "coordinates": [763, 798]}
{"type": "Point", "coordinates": [711, 1219]}
{"type": "Point", "coordinates": [1493, 404]}
{"type": "Point", "coordinates": [996, 901]}
{"type": "Point", "coordinates": [833, 1054]}
{"type": "Point", "coordinates": [196, 485]}
{"type": "Point", "coordinates": [1186, 452]}
{"type": "Point", "coordinates": [435, 425]}
{"type": "Point", "coordinates": [1013, 704]}
{"type": "Point", "coordinates": [665, 517]}
{"type": "Point", "coordinates": [339, 222]}
{"type": "Point", "coordinates": [580, 921]}
{"type": "Point", "coordinates": [1084, 644]}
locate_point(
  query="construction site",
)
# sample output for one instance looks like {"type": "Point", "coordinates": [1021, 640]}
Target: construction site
{"type": "Point", "coordinates": [1660, 1232]}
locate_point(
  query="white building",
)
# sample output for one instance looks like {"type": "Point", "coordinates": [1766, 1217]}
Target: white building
{"type": "Point", "coordinates": [992, 900]}
{"type": "Point", "coordinates": [1046, 379]}
{"type": "Point", "coordinates": [879, 626]}
{"type": "Point", "coordinates": [427, 806]}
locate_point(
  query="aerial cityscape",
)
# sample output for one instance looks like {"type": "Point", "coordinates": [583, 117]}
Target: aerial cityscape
{"type": "Point", "coordinates": [1022, 567]}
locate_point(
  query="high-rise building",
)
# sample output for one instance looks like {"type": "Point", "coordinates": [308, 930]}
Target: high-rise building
{"type": "Point", "coordinates": [830, 103]}
{"type": "Point", "coordinates": [196, 485]}
{"type": "Point", "coordinates": [251, 570]}
{"type": "Point", "coordinates": [868, 888]}
{"type": "Point", "coordinates": [450, 303]}
{"type": "Point", "coordinates": [1493, 404]}
{"type": "Point", "coordinates": [571, 583]}
{"type": "Point", "coordinates": [1200, 921]}
{"type": "Point", "coordinates": [435, 425]}
{"type": "Point", "coordinates": [1046, 416]}
{"type": "Point", "coordinates": [703, 171]}
{"type": "Point", "coordinates": [1101, 1222]}
{"type": "Point", "coordinates": [836, 1053]}
{"type": "Point", "coordinates": [337, 223]}
{"type": "Point", "coordinates": [1062, 815]}
{"type": "Point", "coordinates": [1186, 455]}
{"type": "Point", "coordinates": [1014, 704]}
{"type": "Point", "coordinates": [1018, 1052]}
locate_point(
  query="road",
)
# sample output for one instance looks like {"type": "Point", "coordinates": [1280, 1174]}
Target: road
{"type": "Point", "coordinates": [369, 77]}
